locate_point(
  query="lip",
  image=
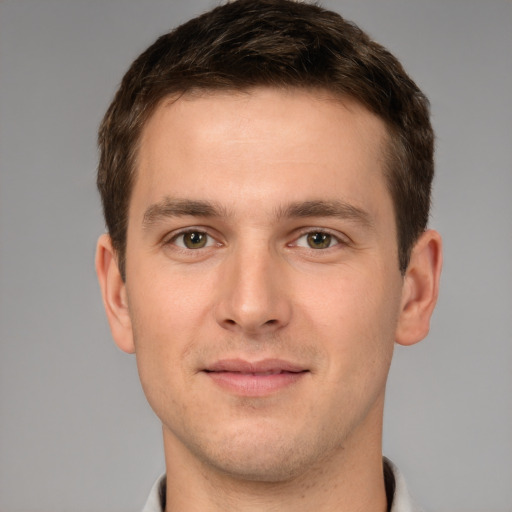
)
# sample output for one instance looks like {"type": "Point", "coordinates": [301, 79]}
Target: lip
{"type": "Point", "coordinates": [258, 378]}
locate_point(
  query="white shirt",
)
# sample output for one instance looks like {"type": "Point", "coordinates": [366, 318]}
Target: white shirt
{"type": "Point", "coordinates": [402, 501]}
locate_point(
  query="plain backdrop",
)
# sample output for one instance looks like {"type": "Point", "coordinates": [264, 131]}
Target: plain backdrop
{"type": "Point", "coordinates": [75, 431]}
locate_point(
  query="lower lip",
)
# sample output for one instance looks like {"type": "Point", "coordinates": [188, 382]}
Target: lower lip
{"type": "Point", "coordinates": [248, 384]}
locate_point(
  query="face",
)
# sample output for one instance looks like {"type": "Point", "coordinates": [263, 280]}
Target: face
{"type": "Point", "coordinates": [262, 281]}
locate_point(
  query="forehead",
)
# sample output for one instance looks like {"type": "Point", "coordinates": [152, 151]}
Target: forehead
{"type": "Point", "coordinates": [270, 104]}
{"type": "Point", "coordinates": [252, 143]}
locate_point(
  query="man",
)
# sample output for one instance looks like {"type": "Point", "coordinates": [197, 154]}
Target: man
{"type": "Point", "coordinates": [265, 173]}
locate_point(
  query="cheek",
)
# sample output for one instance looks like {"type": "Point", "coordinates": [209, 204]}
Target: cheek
{"type": "Point", "coordinates": [356, 317]}
{"type": "Point", "coordinates": [164, 318]}
{"type": "Point", "coordinates": [165, 304]}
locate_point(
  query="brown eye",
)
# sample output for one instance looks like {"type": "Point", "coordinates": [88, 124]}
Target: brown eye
{"type": "Point", "coordinates": [193, 240]}
{"type": "Point", "coordinates": [319, 240]}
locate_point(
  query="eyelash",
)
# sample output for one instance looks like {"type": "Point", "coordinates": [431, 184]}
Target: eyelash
{"type": "Point", "coordinates": [176, 236]}
{"type": "Point", "coordinates": [335, 238]}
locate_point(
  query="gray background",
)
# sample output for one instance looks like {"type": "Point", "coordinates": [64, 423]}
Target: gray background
{"type": "Point", "coordinates": [76, 433]}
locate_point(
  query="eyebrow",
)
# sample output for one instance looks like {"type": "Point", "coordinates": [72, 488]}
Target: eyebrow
{"type": "Point", "coordinates": [169, 208]}
{"type": "Point", "coordinates": [321, 208]}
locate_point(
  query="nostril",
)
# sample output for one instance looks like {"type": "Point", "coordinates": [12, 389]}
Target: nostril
{"type": "Point", "coordinates": [229, 322]}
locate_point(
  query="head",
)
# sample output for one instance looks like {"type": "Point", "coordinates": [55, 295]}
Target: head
{"type": "Point", "coordinates": [281, 44]}
{"type": "Point", "coordinates": [265, 172]}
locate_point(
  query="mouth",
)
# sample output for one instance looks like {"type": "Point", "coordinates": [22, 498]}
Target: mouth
{"type": "Point", "coordinates": [259, 378]}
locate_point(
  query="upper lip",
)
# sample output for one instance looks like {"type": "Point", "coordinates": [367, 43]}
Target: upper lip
{"type": "Point", "coordinates": [264, 366]}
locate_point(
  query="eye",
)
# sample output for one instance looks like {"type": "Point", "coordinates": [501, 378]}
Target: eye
{"type": "Point", "coordinates": [192, 240]}
{"type": "Point", "coordinates": [317, 240]}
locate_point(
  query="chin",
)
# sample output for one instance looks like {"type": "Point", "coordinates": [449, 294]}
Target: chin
{"type": "Point", "coordinates": [260, 458]}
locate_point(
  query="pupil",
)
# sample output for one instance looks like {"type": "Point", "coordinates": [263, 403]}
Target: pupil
{"type": "Point", "coordinates": [319, 240]}
{"type": "Point", "coordinates": [195, 240]}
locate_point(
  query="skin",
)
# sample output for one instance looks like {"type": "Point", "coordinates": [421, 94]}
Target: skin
{"type": "Point", "coordinates": [300, 264]}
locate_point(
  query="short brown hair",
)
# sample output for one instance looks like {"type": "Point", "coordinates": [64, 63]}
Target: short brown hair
{"type": "Point", "coordinates": [276, 43]}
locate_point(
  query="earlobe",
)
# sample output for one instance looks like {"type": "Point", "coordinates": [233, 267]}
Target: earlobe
{"type": "Point", "coordinates": [420, 289]}
{"type": "Point", "coordinates": [113, 290]}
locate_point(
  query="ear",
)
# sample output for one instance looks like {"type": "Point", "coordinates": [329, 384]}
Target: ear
{"type": "Point", "coordinates": [113, 291]}
{"type": "Point", "coordinates": [420, 289]}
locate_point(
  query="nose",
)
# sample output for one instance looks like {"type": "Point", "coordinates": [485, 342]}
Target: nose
{"type": "Point", "coordinates": [253, 296]}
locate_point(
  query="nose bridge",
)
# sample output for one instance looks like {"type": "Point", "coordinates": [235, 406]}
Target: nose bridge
{"type": "Point", "coordinates": [253, 296]}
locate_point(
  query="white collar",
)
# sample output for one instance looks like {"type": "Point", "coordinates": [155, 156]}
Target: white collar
{"type": "Point", "coordinates": [402, 501]}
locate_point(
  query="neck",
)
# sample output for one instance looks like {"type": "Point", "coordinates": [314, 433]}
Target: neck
{"type": "Point", "coordinates": [350, 479]}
